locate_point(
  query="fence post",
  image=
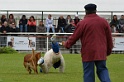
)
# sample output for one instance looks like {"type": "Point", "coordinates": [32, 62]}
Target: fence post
{"type": "Point", "coordinates": [42, 16]}
{"type": "Point", "coordinates": [111, 15]}
{"type": "Point", "coordinates": [47, 41]}
{"type": "Point", "coordinates": [77, 12]}
{"type": "Point", "coordinates": [7, 14]}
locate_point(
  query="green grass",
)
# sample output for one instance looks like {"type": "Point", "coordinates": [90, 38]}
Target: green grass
{"type": "Point", "coordinates": [12, 69]}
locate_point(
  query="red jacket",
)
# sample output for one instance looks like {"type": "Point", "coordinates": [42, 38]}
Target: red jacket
{"type": "Point", "coordinates": [95, 35]}
{"type": "Point", "coordinates": [31, 23]}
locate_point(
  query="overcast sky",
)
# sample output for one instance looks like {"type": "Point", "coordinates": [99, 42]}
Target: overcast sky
{"type": "Point", "coordinates": [64, 5]}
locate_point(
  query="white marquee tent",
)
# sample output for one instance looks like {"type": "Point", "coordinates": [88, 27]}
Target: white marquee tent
{"type": "Point", "coordinates": [64, 5]}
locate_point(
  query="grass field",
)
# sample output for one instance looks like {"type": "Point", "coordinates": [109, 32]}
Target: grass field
{"type": "Point", "coordinates": [12, 70]}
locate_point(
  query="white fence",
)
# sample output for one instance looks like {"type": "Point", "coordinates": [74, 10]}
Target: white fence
{"type": "Point", "coordinates": [41, 42]}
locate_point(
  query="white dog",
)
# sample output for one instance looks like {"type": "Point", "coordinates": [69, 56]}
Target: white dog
{"type": "Point", "coordinates": [52, 59]}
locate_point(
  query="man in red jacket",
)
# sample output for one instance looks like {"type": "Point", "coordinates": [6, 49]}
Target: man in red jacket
{"type": "Point", "coordinates": [95, 35]}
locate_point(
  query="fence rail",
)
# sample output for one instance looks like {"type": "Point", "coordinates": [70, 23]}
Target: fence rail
{"type": "Point", "coordinates": [44, 13]}
{"type": "Point", "coordinates": [43, 40]}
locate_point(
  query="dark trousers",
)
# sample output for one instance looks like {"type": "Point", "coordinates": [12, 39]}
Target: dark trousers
{"type": "Point", "coordinates": [101, 70]}
{"type": "Point", "coordinates": [73, 48]}
{"type": "Point", "coordinates": [41, 42]}
{"type": "Point", "coordinates": [31, 28]}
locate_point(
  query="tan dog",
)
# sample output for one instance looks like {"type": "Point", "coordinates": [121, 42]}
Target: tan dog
{"type": "Point", "coordinates": [30, 61]}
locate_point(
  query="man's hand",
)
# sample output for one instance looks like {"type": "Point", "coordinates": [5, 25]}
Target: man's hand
{"type": "Point", "coordinates": [62, 43]}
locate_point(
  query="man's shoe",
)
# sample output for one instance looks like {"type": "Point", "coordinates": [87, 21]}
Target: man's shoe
{"type": "Point", "coordinates": [53, 38]}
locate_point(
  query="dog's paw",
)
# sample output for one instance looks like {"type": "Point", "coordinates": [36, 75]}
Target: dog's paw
{"type": "Point", "coordinates": [40, 61]}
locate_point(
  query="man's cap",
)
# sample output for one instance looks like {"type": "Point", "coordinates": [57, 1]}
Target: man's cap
{"type": "Point", "coordinates": [90, 7]}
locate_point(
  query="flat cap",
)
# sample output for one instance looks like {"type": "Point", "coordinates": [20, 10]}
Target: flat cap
{"type": "Point", "coordinates": [90, 7]}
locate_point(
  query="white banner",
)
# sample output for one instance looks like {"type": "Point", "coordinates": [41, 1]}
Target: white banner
{"type": "Point", "coordinates": [22, 43]}
{"type": "Point", "coordinates": [118, 43]}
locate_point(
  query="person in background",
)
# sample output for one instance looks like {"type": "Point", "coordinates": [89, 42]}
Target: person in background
{"type": "Point", "coordinates": [0, 26]}
{"type": "Point", "coordinates": [96, 40]}
{"type": "Point", "coordinates": [61, 24]}
{"type": "Point", "coordinates": [3, 19]}
{"type": "Point", "coordinates": [5, 28]}
{"type": "Point", "coordinates": [11, 20]}
{"type": "Point", "coordinates": [0, 35]}
{"type": "Point", "coordinates": [68, 19]}
{"type": "Point", "coordinates": [31, 24]}
{"type": "Point", "coordinates": [14, 28]}
{"type": "Point", "coordinates": [49, 23]}
{"type": "Point", "coordinates": [70, 29]}
{"type": "Point", "coordinates": [121, 24]}
{"type": "Point", "coordinates": [76, 19]}
{"type": "Point", "coordinates": [23, 24]}
{"type": "Point", "coordinates": [115, 22]}
{"type": "Point", "coordinates": [41, 29]}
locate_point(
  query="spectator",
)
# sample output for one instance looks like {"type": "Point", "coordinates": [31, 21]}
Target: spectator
{"type": "Point", "coordinates": [13, 28]}
{"type": "Point", "coordinates": [32, 24]}
{"type": "Point", "coordinates": [23, 24]}
{"type": "Point", "coordinates": [41, 29]}
{"type": "Point", "coordinates": [11, 20]}
{"type": "Point", "coordinates": [61, 24]}
{"type": "Point", "coordinates": [5, 28]}
{"type": "Point", "coordinates": [121, 24]}
{"type": "Point", "coordinates": [68, 19]}
{"type": "Point", "coordinates": [121, 21]}
{"type": "Point", "coordinates": [49, 23]}
{"type": "Point", "coordinates": [0, 26]}
{"type": "Point", "coordinates": [0, 34]}
{"type": "Point", "coordinates": [3, 19]}
{"type": "Point", "coordinates": [96, 41]}
{"type": "Point", "coordinates": [115, 22]}
{"type": "Point", "coordinates": [70, 29]}
{"type": "Point", "coordinates": [76, 19]}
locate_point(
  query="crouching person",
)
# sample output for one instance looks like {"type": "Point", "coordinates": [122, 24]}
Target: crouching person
{"type": "Point", "coordinates": [52, 58]}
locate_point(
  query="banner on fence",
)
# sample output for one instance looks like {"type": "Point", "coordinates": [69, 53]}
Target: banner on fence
{"type": "Point", "coordinates": [21, 43]}
{"type": "Point", "coordinates": [118, 43]}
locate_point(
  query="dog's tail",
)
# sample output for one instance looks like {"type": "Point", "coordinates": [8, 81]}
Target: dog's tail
{"type": "Point", "coordinates": [33, 54]}
{"type": "Point", "coordinates": [33, 58]}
